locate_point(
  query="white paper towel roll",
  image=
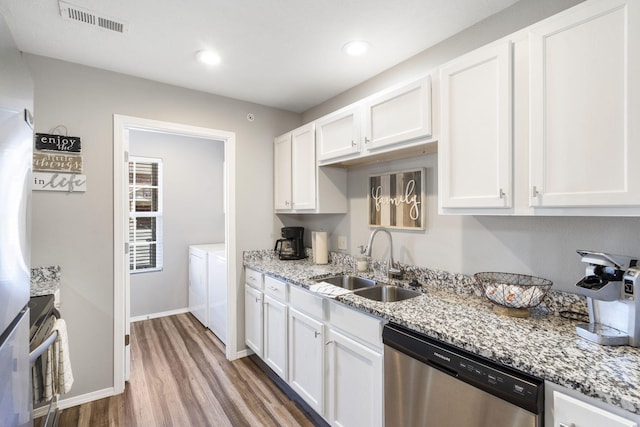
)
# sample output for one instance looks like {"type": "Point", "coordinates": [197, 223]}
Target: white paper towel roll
{"type": "Point", "coordinates": [319, 247]}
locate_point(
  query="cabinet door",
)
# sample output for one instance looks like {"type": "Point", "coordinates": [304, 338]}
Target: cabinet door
{"type": "Point", "coordinates": [400, 115]}
{"type": "Point", "coordinates": [306, 359]}
{"type": "Point", "coordinates": [568, 411]}
{"type": "Point", "coordinates": [338, 134]}
{"type": "Point", "coordinates": [585, 104]}
{"type": "Point", "coordinates": [354, 384]}
{"type": "Point", "coordinates": [474, 152]}
{"type": "Point", "coordinates": [253, 319]}
{"type": "Point", "coordinates": [198, 285]}
{"type": "Point", "coordinates": [282, 172]}
{"type": "Point", "coordinates": [303, 177]}
{"type": "Point", "coordinates": [275, 336]}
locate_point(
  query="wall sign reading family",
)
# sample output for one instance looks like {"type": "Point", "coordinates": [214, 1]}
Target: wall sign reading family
{"type": "Point", "coordinates": [396, 200]}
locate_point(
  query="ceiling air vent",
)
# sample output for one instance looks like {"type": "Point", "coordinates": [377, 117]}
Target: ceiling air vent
{"type": "Point", "coordinates": [79, 14]}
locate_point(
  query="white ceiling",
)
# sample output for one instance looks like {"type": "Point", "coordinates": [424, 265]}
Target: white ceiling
{"type": "Point", "coordinates": [280, 53]}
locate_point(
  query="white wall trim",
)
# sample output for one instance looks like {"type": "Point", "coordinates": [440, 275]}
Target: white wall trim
{"type": "Point", "coordinates": [75, 401]}
{"type": "Point", "coordinates": [242, 353]}
{"type": "Point", "coordinates": [158, 315]}
{"type": "Point", "coordinates": [121, 126]}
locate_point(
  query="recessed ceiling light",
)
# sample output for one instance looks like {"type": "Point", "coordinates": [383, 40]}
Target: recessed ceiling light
{"type": "Point", "coordinates": [208, 57]}
{"type": "Point", "coordinates": [356, 47]}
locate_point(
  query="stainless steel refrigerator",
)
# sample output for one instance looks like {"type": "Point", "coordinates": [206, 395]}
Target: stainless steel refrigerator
{"type": "Point", "coordinates": [16, 152]}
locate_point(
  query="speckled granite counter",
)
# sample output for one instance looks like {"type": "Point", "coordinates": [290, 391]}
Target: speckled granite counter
{"type": "Point", "coordinates": [45, 281]}
{"type": "Point", "coordinates": [544, 345]}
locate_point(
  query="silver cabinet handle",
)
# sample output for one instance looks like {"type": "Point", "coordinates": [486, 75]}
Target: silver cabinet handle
{"type": "Point", "coordinates": [501, 194]}
{"type": "Point", "coordinates": [317, 334]}
{"type": "Point", "coordinates": [534, 191]}
{"type": "Point", "coordinates": [353, 143]}
{"type": "Point", "coordinates": [329, 342]}
{"type": "Point", "coordinates": [366, 140]}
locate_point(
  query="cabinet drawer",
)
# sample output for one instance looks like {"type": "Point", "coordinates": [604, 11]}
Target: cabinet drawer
{"type": "Point", "coordinates": [361, 326]}
{"type": "Point", "coordinates": [306, 302]}
{"type": "Point", "coordinates": [253, 278]}
{"type": "Point", "coordinates": [276, 288]}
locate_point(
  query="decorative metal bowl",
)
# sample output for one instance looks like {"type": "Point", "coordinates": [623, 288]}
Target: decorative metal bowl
{"type": "Point", "coordinates": [511, 290]}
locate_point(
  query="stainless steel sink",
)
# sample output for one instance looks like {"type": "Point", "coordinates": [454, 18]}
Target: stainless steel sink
{"type": "Point", "coordinates": [349, 282]}
{"type": "Point", "coordinates": [386, 293]}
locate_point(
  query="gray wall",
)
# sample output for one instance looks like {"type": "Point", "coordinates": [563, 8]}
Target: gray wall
{"type": "Point", "coordinates": [193, 213]}
{"type": "Point", "coordinates": [543, 246]}
{"type": "Point", "coordinates": [75, 230]}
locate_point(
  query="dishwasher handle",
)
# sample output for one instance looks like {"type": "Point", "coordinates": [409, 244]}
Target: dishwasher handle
{"type": "Point", "coordinates": [443, 368]}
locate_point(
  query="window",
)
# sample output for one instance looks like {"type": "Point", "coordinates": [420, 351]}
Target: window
{"type": "Point", "coordinates": [145, 214]}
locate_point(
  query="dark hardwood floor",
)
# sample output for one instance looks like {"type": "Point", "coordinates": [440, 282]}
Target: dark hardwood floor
{"type": "Point", "coordinates": [180, 377]}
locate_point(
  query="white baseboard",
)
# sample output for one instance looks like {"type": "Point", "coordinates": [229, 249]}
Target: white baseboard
{"type": "Point", "coordinates": [240, 354]}
{"type": "Point", "coordinates": [160, 314]}
{"type": "Point", "coordinates": [75, 401]}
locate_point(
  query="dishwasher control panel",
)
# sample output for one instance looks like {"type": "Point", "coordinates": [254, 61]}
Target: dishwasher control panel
{"type": "Point", "coordinates": [479, 373]}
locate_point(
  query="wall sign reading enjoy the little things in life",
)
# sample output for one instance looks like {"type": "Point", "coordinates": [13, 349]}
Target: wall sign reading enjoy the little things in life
{"type": "Point", "coordinates": [396, 200]}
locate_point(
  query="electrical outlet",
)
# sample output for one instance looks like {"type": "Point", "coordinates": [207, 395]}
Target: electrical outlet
{"type": "Point", "coordinates": [342, 242]}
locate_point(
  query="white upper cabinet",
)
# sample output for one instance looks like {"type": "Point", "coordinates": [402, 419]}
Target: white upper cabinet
{"type": "Point", "coordinates": [300, 186]}
{"type": "Point", "coordinates": [544, 121]}
{"type": "Point", "coordinates": [303, 175]}
{"type": "Point", "coordinates": [282, 172]}
{"type": "Point", "coordinates": [585, 105]}
{"type": "Point", "coordinates": [392, 124]}
{"type": "Point", "coordinates": [403, 114]}
{"type": "Point", "coordinates": [338, 134]}
{"type": "Point", "coordinates": [475, 151]}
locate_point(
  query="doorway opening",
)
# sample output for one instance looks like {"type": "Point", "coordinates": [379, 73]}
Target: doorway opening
{"type": "Point", "coordinates": [124, 127]}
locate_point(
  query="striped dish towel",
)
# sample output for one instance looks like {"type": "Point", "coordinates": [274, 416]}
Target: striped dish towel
{"type": "Point", "coordinates": [58, 375]}
{"type": "Point", "coordinates": [328, 290]}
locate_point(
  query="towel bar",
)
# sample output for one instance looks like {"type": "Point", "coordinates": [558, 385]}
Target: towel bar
{"type": "Point", "coordinates": [37, 352]}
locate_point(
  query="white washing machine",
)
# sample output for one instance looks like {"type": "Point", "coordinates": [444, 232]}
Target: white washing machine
{"type": "Point", "coordinates": [208, 287]}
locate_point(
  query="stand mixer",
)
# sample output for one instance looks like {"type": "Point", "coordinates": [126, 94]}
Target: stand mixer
{"type": "Point", "coordinates": [611, 285]}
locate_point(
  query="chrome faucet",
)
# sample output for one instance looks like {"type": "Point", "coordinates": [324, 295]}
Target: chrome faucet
{"type": "Point", "coordinates": [394, 269]}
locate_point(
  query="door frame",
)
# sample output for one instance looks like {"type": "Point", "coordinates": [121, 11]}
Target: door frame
{"type": "Point", "coordinates": [121, 126]}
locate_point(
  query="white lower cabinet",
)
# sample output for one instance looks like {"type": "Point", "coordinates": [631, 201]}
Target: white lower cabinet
{"type": "Point", "coordinates": [565, 407]}
{"type": "Point", "coordinates": [328, 353]}
{"type": "Point", "coordinates": [275, 335]}
{"type": "Point", "coordinates": [354, 368]}
{"type": "Point", "coordinates": [306, 358]}
{"type": "Point", "coordinates": [253, 299]}
{"type": "Point", "coordinates": [354, 382]}
{"type": "Point", "coordinates": [570, 412]}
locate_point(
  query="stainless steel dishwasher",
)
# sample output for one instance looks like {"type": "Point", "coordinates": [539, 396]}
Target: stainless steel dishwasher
{"type": "Point", "coordinates": [428, 383]}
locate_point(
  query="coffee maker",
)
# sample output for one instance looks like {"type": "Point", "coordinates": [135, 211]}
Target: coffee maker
{"type": "Point", "coordinates": [290, 246]}
{"type": "Point", "coordinates": [611, 285]}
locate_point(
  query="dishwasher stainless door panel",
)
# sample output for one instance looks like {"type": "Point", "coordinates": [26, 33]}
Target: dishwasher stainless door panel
{"type": "Point", "coordinates": [417, 394]}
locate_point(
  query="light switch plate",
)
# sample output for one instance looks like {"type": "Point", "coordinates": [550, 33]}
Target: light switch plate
{"type": "Point", "coordinates": [342, 242]}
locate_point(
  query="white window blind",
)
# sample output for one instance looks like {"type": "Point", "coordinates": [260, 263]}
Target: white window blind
{"type": "Point", "coordinates": [145, 214]}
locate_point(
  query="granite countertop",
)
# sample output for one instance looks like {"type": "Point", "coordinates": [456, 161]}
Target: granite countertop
{"type": "Point", "coordinates": [544, 345]}
{"type": "Point", "coordinates": [45, 280]}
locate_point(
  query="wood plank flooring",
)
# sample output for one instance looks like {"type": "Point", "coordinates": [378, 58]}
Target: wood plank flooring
{"type": "Point", "coordinates": [180, 377]}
